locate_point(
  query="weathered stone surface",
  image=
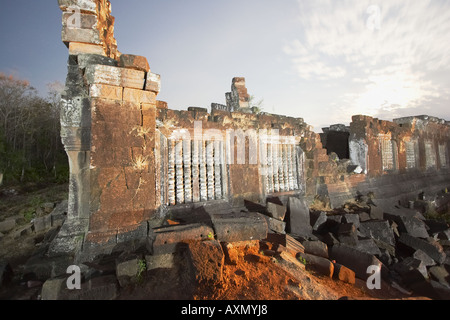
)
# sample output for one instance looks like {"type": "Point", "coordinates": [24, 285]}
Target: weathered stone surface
{"type": "Point", "coordinates": [376, 213]}
{"type": "Point", "coordinates": [317, 248]}
{"type": "Point", "coordinates": [42, 223]}
{"type": "Point", "coordinates": [132, 61]}
{"type": "Point", "coordinates": [240, 226]}
{"type": "Point", "coordinates": [166, 239]}
{"type": "Point", "coordinates": [351, 218]}
{"type": "Point", "coordinates": [84, 5]}
{"type": "Point", "coordinates": [91, 36]}
{"type": "Point", "coordinates": [411, 225]}
{"type": "Point", "coordinates": [354, 259]}
{"type": "Point", "coordinates": [76, 48]}
{"type": "Point", "coordinates": [347, 233]}
{"type": "Point", "coordinates": [344, 274]}
{"type": "Point", "coordinates": [330, 239]}
{"type": "Point", "coordinates": [318, 220]}
{"type": "Point", "coordinates": [298, 217]}
{"type": "Point", "coordinates": [275, 225]}
{"type": "Point", "coordinates": [127, 272]}
{"type": "Point", "coordinates": [276, 211]}
{"type": "Point", "coordinates": [368, 246]}
{"type": "Point", "coordinates": [114, 76]}
{"type": "Point", "coordinates": [287, 241]}
{"type": "Point", "coordinates": [153, 82]}
{"type": "Point", "coordinates": [320, 264]}
{"type": "Point", "coordinates": [444, 235]}
{"type": "Point", "coordinates": [411, 270]}
{"type": "Point", "coordinates": [435, 226]}
{"type": "Point", "coordinates": [105, 91]}
{"type": "Point", "coordinates": [139, 96]}
{"type": "Point", "coordinates": [379, 230]}
{"type": "Point", "coordinates": [7, 225]}
{"type": "Point", "coordinates": [289, 258]}
{"type": "Point", "coordinates": [160, 261]}
{"type": "Point", "coordinates": [207, 260]}
{"type": "Point", "coordinates": [52, 289]}
{"type": "Point", "coordinates": [424, 258]}
{"type": "Point", "coordinates": [441, 275]}
{"type": "Point", "coordinates": [430, 247]}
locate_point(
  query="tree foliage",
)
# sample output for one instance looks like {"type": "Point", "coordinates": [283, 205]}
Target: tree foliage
{"type": "Point", "coordinates": [30, 144]}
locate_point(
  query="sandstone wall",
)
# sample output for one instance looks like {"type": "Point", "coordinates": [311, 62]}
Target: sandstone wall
{"type": "Point", "coordinates": [132, 157]}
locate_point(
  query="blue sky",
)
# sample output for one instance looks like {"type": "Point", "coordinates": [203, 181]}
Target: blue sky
{"type": "Point", "coordinates": [322, 60]}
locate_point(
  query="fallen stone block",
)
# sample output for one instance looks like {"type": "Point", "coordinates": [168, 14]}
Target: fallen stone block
{"type": "Point", "coordinates": [333, 223]}
{"type": "Point", "coordinates": [52, 289]}
{"type": "Point", "coordinates": [318, 220]}
{"type": "Point", "coordinates": [231, 253]}
{"type": "Point", "coordinates": [435, 226]}
{"type": "Point", "coordinates": [298, 219]}
{"type": "Point", "coordinates": [240, 226]}
{"type": "Point", "coordinates": [276, 211]}
{"type": "Point", "coordinates": [430, 247]}
{"type": "Point", "coordinates": [376, 213]}
{"type": "Point", "coordinates": [275, 225]}
{"type": "Point", "coordinates": [132, 61]}
{"type": "Point", "coordinates": [364, 216]}
{"type": "Point", "coordinates": [379, 230]}
{"type": "Point", "coordinates": [160, 261]}
{"type": "Point", "coordinates": [319, 264]}
{"type": "Point", "coordinates": [347, 234]}
{"type": "Point", "coordinates": [424, 258]}
{"type": "Point", "coordinates": [206, 261]}
{"type": "Point", "coordinates": [317, 248]}
{"type": "Point", "coordinates": [368, 246]}
{"type": "Point", "coordinates": [129, 272]}
{"type": "Point", "coordinates": [441, 275]}
{"type": "Point", "coordinates": [166, 239]}
{"type": "Point", "coordinates": [356, 260]}
{"type": "Point", "coordinates": [330, 239]}
{"type": "Point", "coordinates": [286, 241]}
{"type": "Point", "coordinates": [291, 260]}
{"type": "Point", "coordinates": [351, 218]}
{"type": "Point", "coordinates": [344, 274]}
{"type": "Point", "coordinates": [411, 225]}
{"type": "Point", "coordinates": [442, 291]}
{"type": "Point", "coordinates": [444, 235]}
{"type": "Point", "coordinates": [7, 225]}
{"type": "Point", "coordinates": [411, 270]}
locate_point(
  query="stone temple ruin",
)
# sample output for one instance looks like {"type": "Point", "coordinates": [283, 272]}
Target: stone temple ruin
{"type": "Point", "coordinates": [134, 161]}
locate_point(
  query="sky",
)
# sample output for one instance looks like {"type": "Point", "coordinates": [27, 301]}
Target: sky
{"type": "Point", "coordinates": [321, 60]}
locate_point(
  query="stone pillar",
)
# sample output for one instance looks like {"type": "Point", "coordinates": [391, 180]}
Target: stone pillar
{"type": "Point", "coordinates": [210, 169]}
{"type": "Point", "coordinates": [171, 174]}
{"type": "Point", "coordinates": [187, 171]}
{"type": "Point", "coordinates": [203, 172]}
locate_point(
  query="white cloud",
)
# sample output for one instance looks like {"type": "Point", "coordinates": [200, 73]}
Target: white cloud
{"type": "Point", "coordinates": [387, 69]}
